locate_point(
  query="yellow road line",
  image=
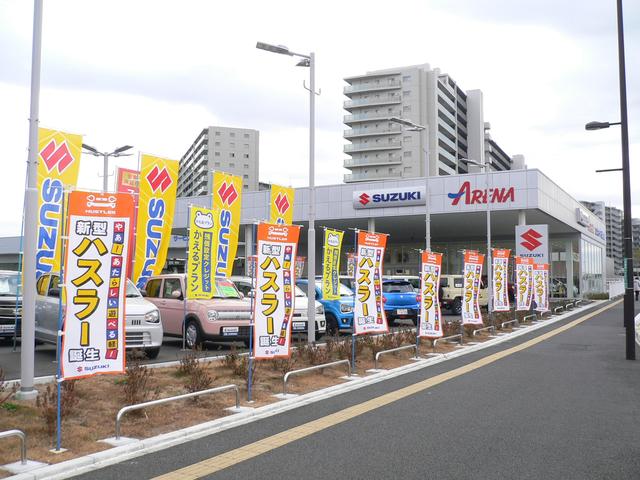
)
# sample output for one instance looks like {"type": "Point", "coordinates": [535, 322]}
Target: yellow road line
{"type": "Point", "coordinates": [233, 457]}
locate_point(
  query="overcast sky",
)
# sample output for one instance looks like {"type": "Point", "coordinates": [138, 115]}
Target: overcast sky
{"type": "Point", "coordinates": [154, 73]}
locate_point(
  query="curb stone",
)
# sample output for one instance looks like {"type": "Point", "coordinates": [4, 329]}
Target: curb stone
{"type": "Point", "coordinates": [138, 448]}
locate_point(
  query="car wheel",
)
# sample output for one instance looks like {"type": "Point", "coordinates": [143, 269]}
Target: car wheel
{"type": "Point", "coordinates": [332, 325]}
{"type": "Point", "coordinates": [192, 334]}
{"type": "Point", "coordinates": [457, 306]}
{"type": "Point", "coordinates": [152, 353]}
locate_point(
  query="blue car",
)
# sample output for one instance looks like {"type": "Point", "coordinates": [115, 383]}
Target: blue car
{"type": "Point", "coordinates": [400, 301]}
{"type": "Point", "coordinates": [338, 313]}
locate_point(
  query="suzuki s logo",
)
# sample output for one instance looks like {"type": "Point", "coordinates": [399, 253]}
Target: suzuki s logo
{"type": "Point", "coordinates": [530, 238]}
{"type": "Point", "coordinates": [496, 195]}
{"type": "Point", "coordinates": [56, 157]}
{"type": "Point", "coordinates": [227, 193]}
{"type": "Point", "coordinates": [282, 203]}
{"type": "Point", "coordinates": [364, 199]}
{"type": "Point", "coordinates": [159, 179]}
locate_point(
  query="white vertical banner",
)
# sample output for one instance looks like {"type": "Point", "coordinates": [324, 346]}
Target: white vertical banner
{"type": "Point", "coordinates": [541, 286]}
{"type": "Point", "coordinates": [524, 282]}
{"type": "Point", "coordinates": [471, 288]}
{"type": "Point", "coordinates": [430, 325]}
{"type": "Point", "coordinates": [368, 312]}
{"type": "Point", "coordinates": [274, 294]}
{"type": "Point", "coordinates": [500, 274]}
{"type": "Point", "coordinates": [95, 284]}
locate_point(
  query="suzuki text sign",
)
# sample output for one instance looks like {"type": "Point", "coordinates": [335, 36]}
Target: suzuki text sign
{"type": "Point", "coordinates": [95, 284]}
{"type": "Point", "coordinates": [391, 197]}
{"type": "Point", "coordinates": [532, 241]}
{"type": "Point", "coordinates": [274, 293]}
{"type": "Point", "coordinates": [368, 311]}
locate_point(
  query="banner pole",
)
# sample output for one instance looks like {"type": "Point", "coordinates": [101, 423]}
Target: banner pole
{"type": "Point", "coordinates": [19, 289]}
{"type": "Point", "coordinates": [353, 321]}
{"type": "Point", "coordinates": [252, 316]}
{"type": "Point", "coordinates": [421, 305]}
{"type": "Point", "coordinates": [59, 380]}
{"type": "Point", "coordinates": [186, 284]}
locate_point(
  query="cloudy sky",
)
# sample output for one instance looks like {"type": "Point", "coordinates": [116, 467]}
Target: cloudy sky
{"type": "Point", "coordinates": [153, 73]}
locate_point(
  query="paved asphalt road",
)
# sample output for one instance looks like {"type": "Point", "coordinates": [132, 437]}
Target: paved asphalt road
{"type": "Point", "coordinates": [565, 408]}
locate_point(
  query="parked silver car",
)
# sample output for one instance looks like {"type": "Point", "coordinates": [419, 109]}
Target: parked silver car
{"type": "Point", "coordinates": [143, 328]}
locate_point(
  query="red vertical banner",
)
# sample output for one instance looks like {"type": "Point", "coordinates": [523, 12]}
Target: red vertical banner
{"type": "Point", "coordinates": [524, 282]}
{"type": "Point", "coordinates": [368, 313]}
{"type": "Point", "coordinates": [471, 289]}
{"type": "Point", "coordinates": [430, 325]}
{"type": "Point", "coordinates": [95, 284]}
{"type": "Point", "coordinates": [128, 181]}
{"type": "Point", "coordinates": [500, 275]}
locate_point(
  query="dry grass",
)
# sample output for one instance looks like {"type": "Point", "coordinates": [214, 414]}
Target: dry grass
{"type": "Point", "coordinates": [99, 398]}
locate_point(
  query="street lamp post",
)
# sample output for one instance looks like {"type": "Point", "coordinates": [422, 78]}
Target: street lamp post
{"type": "Point", "coordinates": [486, 166]}
{"type": "Point", "coordinates": [424, 131]}
{"type": "Point", "coordinates": [626, 192]}
{"type": "Point", "coordinates": [307, 61]}
{"type": "Point", "coordinates": [118, 152]}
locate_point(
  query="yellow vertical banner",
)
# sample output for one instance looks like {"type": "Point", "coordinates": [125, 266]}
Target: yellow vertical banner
{"type": "Point", "coordinates": [157, 202]}
{"type": "Point", "coordinates": [200, 277]}
{"type": "Point", "coordinates": [58, 166]}
{"type": "Point", "coordinates": [281, 205]}
{"type": "Point", "coordinates": [227, 205]}
{"type": "Point", "coordinates": [331, 264]}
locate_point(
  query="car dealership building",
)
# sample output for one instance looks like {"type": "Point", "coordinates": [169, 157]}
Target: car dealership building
{"type": "Point", "coordinates": [575, 247]}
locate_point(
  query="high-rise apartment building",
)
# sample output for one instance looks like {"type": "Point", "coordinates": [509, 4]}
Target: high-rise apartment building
{"type": "Point", "coordinates": [381, 149]}
{"type": "Point", "coordinates": [231, 150]}
{"type": "Point", "coordinates": [612, 218]}
{"type": "Point", "coordinates": [635, 232]}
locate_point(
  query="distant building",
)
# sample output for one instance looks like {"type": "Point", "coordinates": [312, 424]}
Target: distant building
{"type": "Point", "coordinates": [612, 218]}
{"type": "Point", "coordinates": [231, 150]}
{"type": "Point", "coordinates": [635, 232]}
{"type": "Point", "coordinates": [380, 149]}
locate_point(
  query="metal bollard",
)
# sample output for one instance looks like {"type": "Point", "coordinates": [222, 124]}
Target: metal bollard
{"type": "Point", "coordinates": [23, 442]}
{"type": "Point", "coordinates": [309, 369]}
{"type": "Point", "coordinates": [391, 350]}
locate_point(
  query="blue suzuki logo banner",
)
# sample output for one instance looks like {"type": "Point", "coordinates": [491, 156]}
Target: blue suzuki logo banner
{"type": "Point", "coordinates": [391, 197]}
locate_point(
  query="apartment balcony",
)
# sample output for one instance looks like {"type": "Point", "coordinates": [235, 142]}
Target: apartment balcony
{"type": "Point", "coordinates": [365, 177]}
{"type": "Point", "coordinates": [447, 141]}
{"type": "Point", "coordinates": [367, 102]}
{"type": "Point", "coordinates": [372, 162]}
{"type": "Point", "coordinates": [367, 147]}
{"type": "Point", "coordinates": [372, 87]}
{"type": "Point", "coordinates": [448, 128]}
{"type": "Point", "coordinates": [370, 132]}
{"type": "Point", "coordinates": [368, 117]}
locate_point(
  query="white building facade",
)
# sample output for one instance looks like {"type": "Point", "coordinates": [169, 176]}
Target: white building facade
{"type": "Point", "coordinates": [231, 150]}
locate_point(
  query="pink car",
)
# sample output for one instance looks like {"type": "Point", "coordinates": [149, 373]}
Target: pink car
{"type": "Point", "coordinates": [225, 317]}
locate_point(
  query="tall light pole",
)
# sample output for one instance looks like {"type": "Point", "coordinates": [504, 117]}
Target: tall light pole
{"type": "Point", "coordinates": [626, 192]}
{"type": "Point", "coordinates": [307, 61]}
{"type": "Point", "coordinates": [424, 132]}
{"type": "Point", "coordinates": [27, 348]}
{"type": "Point", "coordinates": [118, 152]}
{"type": "Point", "coordinates": [486, 168]}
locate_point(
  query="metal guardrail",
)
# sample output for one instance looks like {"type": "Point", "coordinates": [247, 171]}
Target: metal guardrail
{"type": "Point", "coordinates": [447, 339]}
{"type": "Point", "coordinates": [160, 401]}
{"type": "Point", "coordinates": [567, 305]}
{"type": "Point", "coordinates": [577, 302]}
{"type": "Point", "coordinates": [534, 316]}
{"type": "Point", "coordinates": [23, 443]}
{"type": "Point", "coordinates": [484, 329]}
{"type": "Point", "coordinates": [315, 367]}
{"type": "Point", "coordinates": [391, 350]}
{"type": "Point", "coordinates": [504, 324]}
{"type": "Point", "coordinates": [557, 309]}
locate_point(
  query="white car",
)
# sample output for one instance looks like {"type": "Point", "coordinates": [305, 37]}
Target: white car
{"type": "Point", "coordinates": [143, 328]}
{"type": "Point", "coordinates": [300, 317]}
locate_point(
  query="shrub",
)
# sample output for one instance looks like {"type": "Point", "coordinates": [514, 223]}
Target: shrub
{"type": "Point", "coordinates": [343, 349]}
{"type": "Point", "coordinates": [199, 379]}
{"type": "Point", "coordinates": [314, 354]}
{"type": "Point", "coordinates": [5, 392]}
{"type": "Point", "coordinates": [47, 403]}
{"type": "Point", "coordinates": [242, 370]}
{"type": "Point", "coordinates": [230, 360]}
{"type": "Point", "coordinates": [284, 365]}
{"type": "Point", "coordinates": [188, 363]}
{"type": "Point", "coordinates": [136, 387]}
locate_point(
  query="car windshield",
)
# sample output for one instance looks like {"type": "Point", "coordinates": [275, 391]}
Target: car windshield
{"type": "Point", "coordinates": [9, 284]}
{"type": "Point", "coordinates": [300, 292]}
{"type": "Point", "coordinates": [132, 291]}
{"type": "Point", "coordinates": [225, 289]}
{"type": "Point", "coordinates": [345, 291]}
{"type": "Point", "coordinates": [397, 287]}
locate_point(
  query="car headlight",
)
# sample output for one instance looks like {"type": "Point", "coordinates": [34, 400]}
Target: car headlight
{"type": "Point", "coordinates": [152, 317]}
{"type": "Point", "coordinates": [212, 315]}
{"type": "Point", "coordinates": [320, 309]}
{"type": "Point", "coordinates": [344, 308]}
